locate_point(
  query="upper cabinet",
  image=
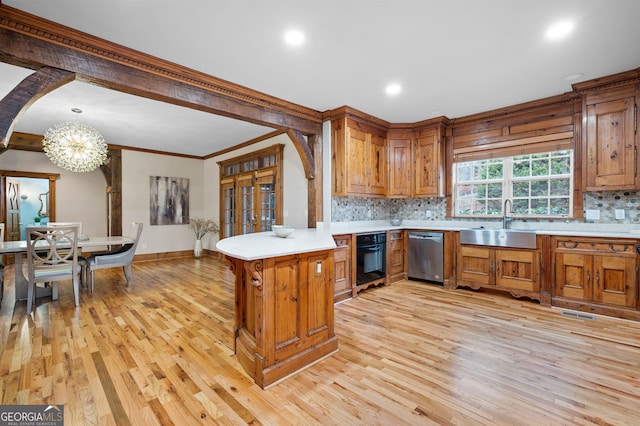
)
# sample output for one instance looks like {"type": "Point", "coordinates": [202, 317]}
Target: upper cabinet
{"type": "Point", "coordinates": [416, 162]}
{"type": "Point", "coordinates": [429, 162]}
{"type": "Point", "coordinates": [358, 158]}
{"type": "Point", "coordinates": [610, 129]}
{"type": "Point", "coordinates": [401, 164]}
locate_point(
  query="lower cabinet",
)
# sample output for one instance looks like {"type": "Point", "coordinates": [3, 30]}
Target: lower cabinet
{"type": "Point", "coordinates": [598, 271]}
{"type": "Point", "coordinates": [514, 270]}
{"type": "Point", "coordinates": [284, 314]}
{"type": "Point", "coordinates": [396, 244]}
{"type": "Point", "coordinates": [342, 267]}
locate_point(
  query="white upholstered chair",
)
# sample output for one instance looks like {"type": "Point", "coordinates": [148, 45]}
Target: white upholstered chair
{"type": "Point", "coordinates": [115, 258]}
{"type": "Point", "coordinates": [52, 256]}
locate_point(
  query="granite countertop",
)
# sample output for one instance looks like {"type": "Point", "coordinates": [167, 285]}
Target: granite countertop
{"type": "Point", "coordinates": [262, 245]}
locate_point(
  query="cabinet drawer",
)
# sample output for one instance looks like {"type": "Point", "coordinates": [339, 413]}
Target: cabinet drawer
{"type": "Point", "coordinates": [621, 247]}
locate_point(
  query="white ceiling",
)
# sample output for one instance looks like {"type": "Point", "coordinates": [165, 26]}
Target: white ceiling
{"type": "Point", "coordinates": [451, 57]}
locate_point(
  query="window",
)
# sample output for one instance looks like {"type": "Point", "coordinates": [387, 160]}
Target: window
{"type": "Point", "coordinates": [251, 192]}
{"type": "Point", "coordinates": [538, 184]}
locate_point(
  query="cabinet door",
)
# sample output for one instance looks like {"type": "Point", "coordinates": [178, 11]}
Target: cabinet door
{"type": "Point", "coordinates": [573, 276]}
{"type": "Point", "coordinates": [611, 156]}
{"type": "Point", "coordinates": [474, 264]}
{"type": "Point", "coordinates": [400, 168]}
{"type": "Point", "coordinates": [518, 269]}
{"type": "Point", "coordinates": [356, 163]}
{"type": "Point", "coordinates": [615, 280]}
{"type": "Point", "coordinates": [427, 165]}
{"type": "Point", "coordinates": [342, 268]}
{"type": "Point", "coordinates": [395, 268]}
{"type": "Point", "coordinates": [378, 165]}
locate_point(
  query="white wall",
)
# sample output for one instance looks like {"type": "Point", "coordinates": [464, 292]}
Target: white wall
{"type": "Point", "coordinates": [294, 184]}
{"type": "Point", "coordinates": [137, 167]}
{"type": "Point", "coordinates": [80, 197]}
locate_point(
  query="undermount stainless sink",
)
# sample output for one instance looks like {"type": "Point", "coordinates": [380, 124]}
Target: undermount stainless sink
{"type": "Point", "coordinates": [499, 237]}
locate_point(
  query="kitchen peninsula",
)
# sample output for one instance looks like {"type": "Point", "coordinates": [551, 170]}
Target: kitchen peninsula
{"type": "Point", "coordinates": [284, 301]}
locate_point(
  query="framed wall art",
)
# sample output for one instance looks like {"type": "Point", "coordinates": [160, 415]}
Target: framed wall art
{"type": "Point", "coordinates": [169, 200]}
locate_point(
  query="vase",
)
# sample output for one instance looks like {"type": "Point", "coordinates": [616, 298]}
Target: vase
{"type": "Point", "coordinates": [197, 248]}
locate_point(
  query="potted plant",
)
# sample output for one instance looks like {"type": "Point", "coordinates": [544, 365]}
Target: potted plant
{"type": "Point", "coordinates": [200, 228]}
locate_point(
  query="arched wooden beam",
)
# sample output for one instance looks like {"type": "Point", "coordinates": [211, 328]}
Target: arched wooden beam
{"type": "Point", "coordinates": [25, 94]}
{"type": "Point", "coordinates": [304, 151]}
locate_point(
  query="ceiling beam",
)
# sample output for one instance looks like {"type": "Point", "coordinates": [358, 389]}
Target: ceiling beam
{"type": "Point", "coordinates": [26, 142]}
{"type": "Point", "coordinates": [30, 41]}
{"type": "Point", "coordinates": [25, 94]}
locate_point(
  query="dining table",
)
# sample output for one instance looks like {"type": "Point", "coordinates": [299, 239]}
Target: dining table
{"type": "Point", "coordinates": [19, 249]}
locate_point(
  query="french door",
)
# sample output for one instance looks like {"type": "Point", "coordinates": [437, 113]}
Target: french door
{"type": "Point", "coordinates": [249, 203]}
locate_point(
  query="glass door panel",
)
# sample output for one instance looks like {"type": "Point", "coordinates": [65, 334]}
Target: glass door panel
{"type": "Point", "coordinates": [247, 214]}
{"type": "Point", "coordinates": [229, 209]}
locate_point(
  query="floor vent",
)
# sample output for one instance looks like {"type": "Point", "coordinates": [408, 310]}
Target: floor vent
{"type": "Point", "coordinates": [577, 315]}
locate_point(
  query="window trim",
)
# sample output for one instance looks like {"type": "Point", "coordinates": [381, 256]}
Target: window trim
{"type": "Point", "coordinates": [507, 182]}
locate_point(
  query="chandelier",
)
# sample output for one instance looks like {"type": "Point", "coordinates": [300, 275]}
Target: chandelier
{"type": "Point", "coordinates": [75, 147]}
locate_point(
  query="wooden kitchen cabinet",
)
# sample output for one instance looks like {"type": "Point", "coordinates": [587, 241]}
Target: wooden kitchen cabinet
{"type": "Point", "coordinates": [396, 254]}
{"type": "Point", "coordinates": [596, 271]}
{"type": "Point", "coordinates": [358, 158]}
{"type": "Point", "coordinates": [400, 164]}
{"type": "Point", "coordinates": [611, 161]}
{"type": "Point", "coordinates": [416, 162]}
{"type": "Point", "coordinates": [284, 318]}
{"type": "Point", "coordinates": [514, 270]}
{"type": "Point", "coordinates": [429, 159]}
{"type": "Point", "coordinates": [342, 268]}
{"type": "Point", "coordinates": [610, 155]}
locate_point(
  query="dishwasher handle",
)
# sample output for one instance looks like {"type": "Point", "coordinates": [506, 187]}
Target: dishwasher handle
{"type": "Point", "coordinates": [435, 237]}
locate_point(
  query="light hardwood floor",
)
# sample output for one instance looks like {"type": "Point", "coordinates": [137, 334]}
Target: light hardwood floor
{"type": "Point", "coordinates": [409, 354]}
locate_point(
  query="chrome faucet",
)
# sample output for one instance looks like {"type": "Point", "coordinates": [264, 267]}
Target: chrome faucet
{"type": "Point", "coordinates": [506, 220]}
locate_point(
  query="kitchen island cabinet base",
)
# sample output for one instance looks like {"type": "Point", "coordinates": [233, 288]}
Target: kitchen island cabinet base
{"type": "Point", "coordinates": [284, 320]}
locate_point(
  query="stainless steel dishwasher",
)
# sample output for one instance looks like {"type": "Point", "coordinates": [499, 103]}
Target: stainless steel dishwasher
{"type": "Point", "coordinates": [426, 256]}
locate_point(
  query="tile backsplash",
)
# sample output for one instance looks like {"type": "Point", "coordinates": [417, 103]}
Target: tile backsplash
{"type": "Point", "coordinates": [346, 209]}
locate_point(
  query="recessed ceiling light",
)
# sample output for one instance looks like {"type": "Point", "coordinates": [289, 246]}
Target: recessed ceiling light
{"type": "Point", "coordinates": [393, 89]}
{"type": "Point", "coordinates": [294, 37]}
{"type": "Point", "coordinates": [559, 30]}
{"type": "Point", "coordinates": [574, 77]}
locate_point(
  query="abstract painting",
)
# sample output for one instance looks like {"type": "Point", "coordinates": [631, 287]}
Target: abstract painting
{"type": "Point", "coordinates": [169, 200]}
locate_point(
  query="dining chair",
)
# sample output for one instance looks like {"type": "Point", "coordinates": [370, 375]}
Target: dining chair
{"type": "Point", "coordinates": [82, 260]}
{"type": "Point", "coordinates": [119, 257]}
{"type": "Point", "coordinates": [52, 256]}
